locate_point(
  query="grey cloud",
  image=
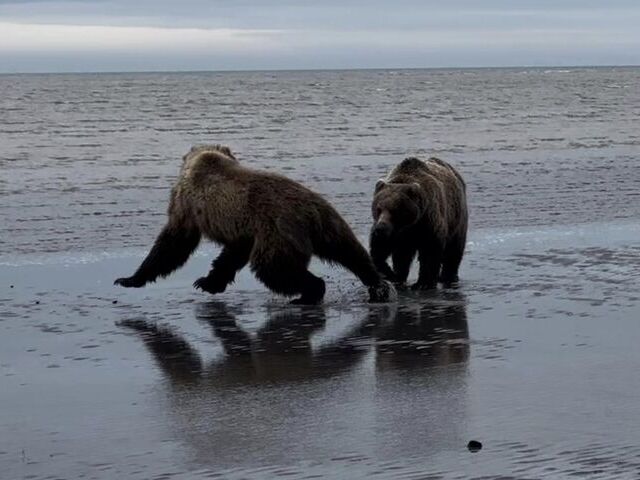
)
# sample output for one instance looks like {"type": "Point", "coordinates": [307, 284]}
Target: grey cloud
{"type": "Point", "coordinates": [606, 32]}
{"type": "Point", "coordinates": [301, 14]}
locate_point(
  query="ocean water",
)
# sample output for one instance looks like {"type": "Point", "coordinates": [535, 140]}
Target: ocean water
{"type": "Point", "coordinates": [87, 160]}
{"type": "Point", "coordinates": [534, 354]}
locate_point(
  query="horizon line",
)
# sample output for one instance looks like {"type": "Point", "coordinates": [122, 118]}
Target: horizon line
{"type": "Point", "coordinates": [338, 69]}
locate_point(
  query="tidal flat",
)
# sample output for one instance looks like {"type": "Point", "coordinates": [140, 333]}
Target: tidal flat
{"type": "Point", "coordinates": [533, 355]}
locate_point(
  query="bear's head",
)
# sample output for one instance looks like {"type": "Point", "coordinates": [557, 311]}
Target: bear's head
{"type": "Point", "coordinates": [395, 207]}
{"type": "Point", "coordinates": [215, 149]}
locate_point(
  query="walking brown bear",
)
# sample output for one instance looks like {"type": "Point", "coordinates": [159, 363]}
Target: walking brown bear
{"type": "Point", "coordinates": [421, 207]}
{"type": "Point", "coordinates": [261, 218]}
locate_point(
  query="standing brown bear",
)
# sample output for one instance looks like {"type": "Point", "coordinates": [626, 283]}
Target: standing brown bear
{"type": "Point", "coordinates": [264, 219]}
{"type": "Point", "coordinates": [421, 207]}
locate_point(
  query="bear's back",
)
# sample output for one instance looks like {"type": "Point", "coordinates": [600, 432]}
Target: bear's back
{"type": "Point", "coordinates": [409, 166]}
{"type": "Point", "coordinates": [413, 169]}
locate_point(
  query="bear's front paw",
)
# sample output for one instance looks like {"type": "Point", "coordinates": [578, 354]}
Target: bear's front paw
{"type": "Point", "coordinates": [129, 282]}
{"type": "Point", "coordinates": [384, 292]}
{"type": "Point", "coordinates": [211, 286]}
{"type": "Point", "coordinates": [449, 279]}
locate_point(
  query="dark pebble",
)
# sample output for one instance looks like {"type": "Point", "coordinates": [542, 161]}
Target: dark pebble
{"type": "Point", "coordinates": [474, 446]}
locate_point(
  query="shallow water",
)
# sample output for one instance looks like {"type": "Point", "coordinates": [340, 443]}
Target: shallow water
{"type": "Point", "coordinates": [87, 160]}
{"type": "Point", "coordinates": [534, 354]}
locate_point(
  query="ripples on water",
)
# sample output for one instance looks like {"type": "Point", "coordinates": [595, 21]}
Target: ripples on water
{"type": "Point", "coordinates": [87, 160]}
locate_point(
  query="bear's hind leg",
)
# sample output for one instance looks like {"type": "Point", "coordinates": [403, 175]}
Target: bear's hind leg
{"type": "Point", "coordinates": [287, 275]}
{"type": "Point", "coordinates": [346, 250]}
{"type": "Point", "coordinates": [452, 258]}
{"type": "Point", "coordinates": [313, 289]}
{"type": "Point", "coordinates": [223, 271]}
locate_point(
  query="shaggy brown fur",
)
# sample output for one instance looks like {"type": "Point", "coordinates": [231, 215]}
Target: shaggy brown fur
{"type": "Point", "coordinates": [264, 219]}
{"type": "Point", "coordinates": [421, 207]}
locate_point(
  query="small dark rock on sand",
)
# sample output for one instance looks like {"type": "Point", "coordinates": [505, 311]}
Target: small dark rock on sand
{"type": "Point", "coordinates": [474, 446]}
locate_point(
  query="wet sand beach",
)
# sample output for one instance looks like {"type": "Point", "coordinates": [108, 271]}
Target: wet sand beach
{"type": "Point", "coordinates": [533, 354]}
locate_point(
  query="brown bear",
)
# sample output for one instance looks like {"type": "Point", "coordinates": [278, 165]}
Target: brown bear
{"type": "Point", "coordinates": [261, 218]}
{"type": "Point", "coordinates": [421, 207]}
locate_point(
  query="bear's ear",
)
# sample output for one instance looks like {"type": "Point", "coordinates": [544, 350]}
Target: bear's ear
{"type": "Point", "coordinates": [226, 150]}
{"type": "Point", "coordinates": [379, 184]}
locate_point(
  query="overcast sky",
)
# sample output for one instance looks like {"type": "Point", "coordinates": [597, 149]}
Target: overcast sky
{"type": "Point", "coordinates": [125, 35]}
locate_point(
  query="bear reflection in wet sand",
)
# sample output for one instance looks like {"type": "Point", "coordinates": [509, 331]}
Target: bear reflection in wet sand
{"type": "Point", "coordinates": [394, 383]}
{"type": "Point", "coordinates": [430, 332]}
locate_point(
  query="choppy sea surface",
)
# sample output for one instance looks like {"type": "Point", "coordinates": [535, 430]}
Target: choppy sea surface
{"type": "Point", "coordinates": [534, 354]}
